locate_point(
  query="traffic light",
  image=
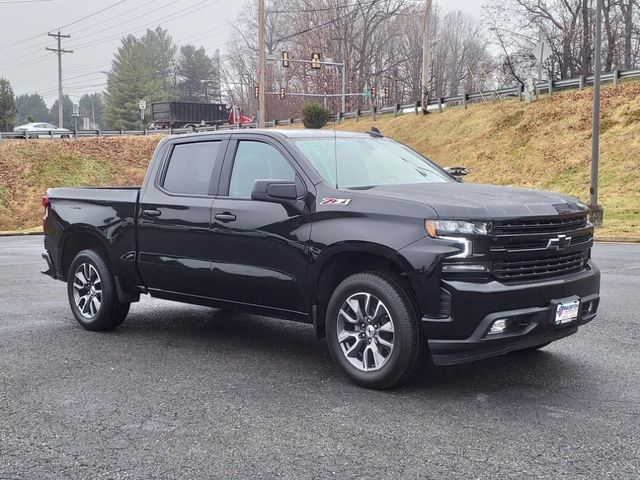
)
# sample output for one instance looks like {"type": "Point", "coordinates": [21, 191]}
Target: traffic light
{"type": "Point", "coordinates": [285, 59]}
{"type": "Point", "coordinates": [385, 91]}
{"type": "Point", "coordinates": [374, 92]}
{"type": "Point", "coordinates": [282, 92]}
{"type": "Point", "coordinates": [315, 61]}
{"type": "Point", "coordinates": [256, 92]}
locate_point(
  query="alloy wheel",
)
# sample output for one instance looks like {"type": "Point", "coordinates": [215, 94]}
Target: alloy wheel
{"type": "Point", "coordinates": [365, 331]}
{"type": "Point", "coordinates": [87, 290]}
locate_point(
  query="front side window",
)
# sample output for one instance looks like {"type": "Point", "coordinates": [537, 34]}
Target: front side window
{"type": "Point", "coordinates": [357, 162]}
{"type": "Point", "coordinates": [190, 168]}
{"type": "Point", "coordinates": [257, 161]}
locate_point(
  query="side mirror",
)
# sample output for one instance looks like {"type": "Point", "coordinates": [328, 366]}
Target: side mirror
{"type": "Point", "coordinates": [274, 191]}
{"type": "Point", "coordinates": [457, 172]}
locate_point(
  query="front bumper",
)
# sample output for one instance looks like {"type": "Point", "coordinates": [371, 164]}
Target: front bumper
{"type": "Point", "coordinates": [464, 335]}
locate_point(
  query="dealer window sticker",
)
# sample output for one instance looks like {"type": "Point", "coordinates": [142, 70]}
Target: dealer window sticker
{"type": "Point", "coordinates": [338, 202]}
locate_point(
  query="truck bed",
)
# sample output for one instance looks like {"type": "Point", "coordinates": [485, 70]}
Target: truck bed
{"type": "Point", "coordinates": [106, 214]}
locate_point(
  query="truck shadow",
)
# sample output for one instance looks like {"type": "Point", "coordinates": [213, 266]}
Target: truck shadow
{"type": "Point", "coordinates": [254, 341]}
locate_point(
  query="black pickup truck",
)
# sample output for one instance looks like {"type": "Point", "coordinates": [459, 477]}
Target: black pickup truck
{"type": "Point", "coordinates": [389, 256]}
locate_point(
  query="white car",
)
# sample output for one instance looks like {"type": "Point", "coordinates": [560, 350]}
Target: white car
{"type": "Point", "coordinates": [43, 130]}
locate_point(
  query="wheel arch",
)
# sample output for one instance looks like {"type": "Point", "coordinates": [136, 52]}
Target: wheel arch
{"type": "Point", "coordinates": [80, 237]}
{"type": "Point", "coordinates": [340, 261]}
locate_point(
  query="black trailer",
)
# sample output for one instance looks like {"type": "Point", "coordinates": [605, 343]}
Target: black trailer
{"type": "Point", "coordinates": [186, 114]}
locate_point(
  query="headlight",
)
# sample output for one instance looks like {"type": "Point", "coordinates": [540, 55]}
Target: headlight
{"type": "Point", "coordinates": [442, 228]}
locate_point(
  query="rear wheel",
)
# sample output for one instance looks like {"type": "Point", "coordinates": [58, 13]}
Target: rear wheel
{"type": "Point", "coordinates": [372, 330]}
{"type": "Point", "coordinates": [92, 293]}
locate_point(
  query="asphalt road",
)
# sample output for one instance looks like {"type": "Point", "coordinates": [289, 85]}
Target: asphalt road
{"type": "Point", "coordinates": [189, 392]}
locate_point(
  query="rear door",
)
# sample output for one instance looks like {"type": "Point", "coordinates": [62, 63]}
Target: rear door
{"type": "Point", "coordinates": [259, 249]}
{"type": "Point", "coordinates": [175, 216]}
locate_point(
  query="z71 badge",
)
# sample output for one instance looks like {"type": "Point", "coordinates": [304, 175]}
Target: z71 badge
{"type": "Point", "coordinates": [339, 202]}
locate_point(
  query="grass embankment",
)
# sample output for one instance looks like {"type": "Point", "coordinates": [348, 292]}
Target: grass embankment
{"type": "Point", "coordinates": [545, 145]}
{"type": "Point", "coordinates": [28, 168]}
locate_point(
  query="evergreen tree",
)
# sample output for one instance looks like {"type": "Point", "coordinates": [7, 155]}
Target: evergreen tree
{"type": "Point", "coordinates": [67, 113]}
{"type": "Point", "coordinates": [195, 75]}
{"type": "Point", "coordinates": [31, 108]}
{"type": "Point", "coordinates": [142, 69]}
{"type": "Point", "coordinates": [159, 55]}
{"type": "Point", "coordinates": [7, 106]}
{"type": "Point", "coordinates": [92, 107]}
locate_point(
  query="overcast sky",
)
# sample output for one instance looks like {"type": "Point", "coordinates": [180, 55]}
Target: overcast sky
{"type": "Point", "coordinates": [30, 68]}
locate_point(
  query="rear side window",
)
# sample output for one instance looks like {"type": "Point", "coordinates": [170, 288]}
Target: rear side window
{"type": "Point", "coordinates": [190, 167]}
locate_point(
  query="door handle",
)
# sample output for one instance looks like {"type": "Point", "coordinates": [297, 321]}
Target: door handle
{"type": "Point", "coordinates": [225, 217]}
{"type": "Point", "coordinates": [151, 213]}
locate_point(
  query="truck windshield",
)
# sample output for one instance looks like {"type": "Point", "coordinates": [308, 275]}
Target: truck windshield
{"type": "Point", "coordinates": [367, 162]}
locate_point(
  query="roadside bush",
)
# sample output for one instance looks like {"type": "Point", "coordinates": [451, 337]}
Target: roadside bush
{"type": "Point", "coordinates": [315, 116]}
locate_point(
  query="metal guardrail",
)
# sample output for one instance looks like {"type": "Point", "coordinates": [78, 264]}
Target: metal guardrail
{"type": "Point", "coordinates": [397, 109]}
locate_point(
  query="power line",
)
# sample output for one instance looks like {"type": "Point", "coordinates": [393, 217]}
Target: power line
{"type": "Point", "coordinates": [324, 9]}
{"type": "Point", "coordinates": [61, 27]}
{"type": "Point", "coordinates": [37, 47]}
{"type": "Point", "coordinates": [3, 2]}
{"type": "Point", "coordinates": [166, 19]}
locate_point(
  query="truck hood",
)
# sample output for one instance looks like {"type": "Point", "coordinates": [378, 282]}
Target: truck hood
{"type": "Point", "coordinates": [467, 201]}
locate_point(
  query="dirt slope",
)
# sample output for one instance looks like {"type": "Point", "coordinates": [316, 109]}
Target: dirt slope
{"type": "Point", "coordinates": [28, 168]}
{"type": "Point", "coordinates": [546, 145]}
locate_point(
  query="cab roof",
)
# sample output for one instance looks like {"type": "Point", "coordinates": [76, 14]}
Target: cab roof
{"type": "Point", "coordinates": [282, 133]}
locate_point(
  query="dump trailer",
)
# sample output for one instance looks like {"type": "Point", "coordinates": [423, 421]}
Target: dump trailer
{"type": "Point", "coordinates": [187, 114]}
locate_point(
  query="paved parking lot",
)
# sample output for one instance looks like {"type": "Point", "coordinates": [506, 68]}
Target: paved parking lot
{"type": "Point", "coordinates": [189, 392]}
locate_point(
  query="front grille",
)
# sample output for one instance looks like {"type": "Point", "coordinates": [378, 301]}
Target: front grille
{"type": "Point", "coordinates": [529, 249]}
{"type": "Point", "coordinates": [541, 267]}
{"type": "Point", "coordinates": [540, 225]}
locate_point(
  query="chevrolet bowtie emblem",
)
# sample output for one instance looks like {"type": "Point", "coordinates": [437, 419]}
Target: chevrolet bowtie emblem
{"type": "Point", "coordinates": [559, 243]}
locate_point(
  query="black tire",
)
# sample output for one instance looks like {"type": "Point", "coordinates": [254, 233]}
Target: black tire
{"type": "Point", "coordinates": [408, 343]}
{"type": "Point", "coordinates": [111, 312]}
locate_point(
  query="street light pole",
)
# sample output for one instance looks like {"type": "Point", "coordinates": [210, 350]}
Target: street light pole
{"type": "Point", "coordinates": [595, 210]}
{"type": "Point", "coordinates": [426, 55]}
{"type": "Point", "coordinates": [261, 66]}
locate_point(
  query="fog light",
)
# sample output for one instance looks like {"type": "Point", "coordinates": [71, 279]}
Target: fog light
{"type": "Point", "coordinates": [499, 326]}
{"type": "Point", "coordinates": [464, 267]}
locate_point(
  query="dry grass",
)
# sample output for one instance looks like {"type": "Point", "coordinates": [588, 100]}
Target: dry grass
{"type": "Point", "coordinates": [28, 168]}
{"type": "Point", "coordinates": [543, 145]}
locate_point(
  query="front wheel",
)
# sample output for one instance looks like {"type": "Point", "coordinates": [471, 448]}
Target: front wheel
{"type": "Point", "coordinates": [92, 293]}
{"type": "Point", "coordinates": [373, 331]}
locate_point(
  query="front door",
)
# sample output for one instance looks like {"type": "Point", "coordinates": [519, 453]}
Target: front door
{"type": "Point", "coordinates": [175, 218]}
{"type": "Point", "coordinates": [259, 253]}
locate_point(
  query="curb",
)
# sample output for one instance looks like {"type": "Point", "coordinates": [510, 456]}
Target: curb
{"type": "Point", "coordinates": [617, 240]}
{"type": "Point", "coordinates": [19, 234]}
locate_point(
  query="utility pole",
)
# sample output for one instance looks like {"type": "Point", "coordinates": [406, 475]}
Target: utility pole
{"type": "Point", "coordinates": [595, 210]}
{"type": "Point", "coordinates": [262, 90]}
{"type": "Point", "coordinates": [59, 51]}
{"type": "Point", "coordinates": [426, 54]}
